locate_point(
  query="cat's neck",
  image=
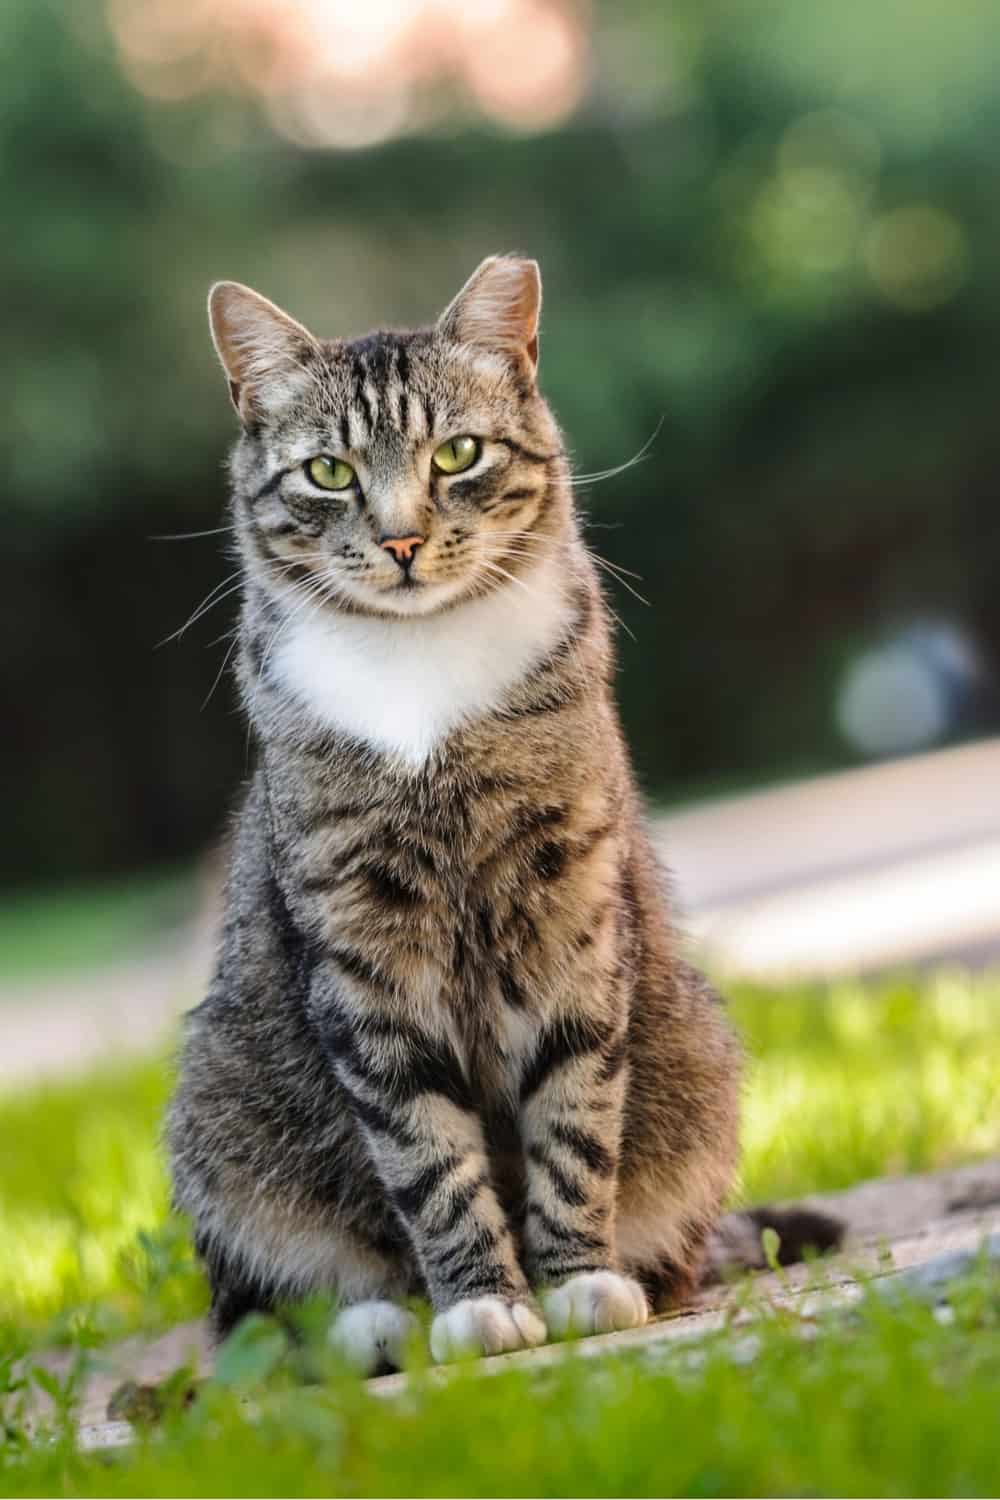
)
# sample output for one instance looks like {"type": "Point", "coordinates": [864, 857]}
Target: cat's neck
{"type": "Point", "coordinates": [402, 686]}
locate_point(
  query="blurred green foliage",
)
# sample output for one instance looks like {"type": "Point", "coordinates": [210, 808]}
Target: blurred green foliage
{"type": "Point", "coordinates": [770, 227]}
{"type": "Point", "coordinates": [78, 927]}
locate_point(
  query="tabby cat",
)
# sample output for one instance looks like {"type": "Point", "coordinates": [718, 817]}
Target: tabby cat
{"type": "Point", "coordinates": [451, 1048]}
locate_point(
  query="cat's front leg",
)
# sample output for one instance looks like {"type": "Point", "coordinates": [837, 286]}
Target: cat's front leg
{"type": "Point", "coordinates": [572, 1097]}
{"type": "Point", "coordinates": [412, 1101]}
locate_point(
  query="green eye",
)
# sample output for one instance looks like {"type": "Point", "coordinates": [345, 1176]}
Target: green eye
{"type": "Point", "coordinates": [330, 473]}
{"type": "Point", "coordinates": [456, 454]}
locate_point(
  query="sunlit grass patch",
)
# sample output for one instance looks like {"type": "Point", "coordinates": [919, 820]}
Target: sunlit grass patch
{"type": "Point", "coordinates": [844, 1083]}
{"type": "Point", "coordinates": [84, 1218]}
{"type": "Point", "coordinates": [857, 1081]}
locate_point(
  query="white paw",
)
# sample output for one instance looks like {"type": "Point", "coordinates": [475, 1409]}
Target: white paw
{"type": "Point", "coordinates": [595, 1302]}
{"type": "Point", "coordinates": [371, 1334]}
{"type": "Point", "coordinates": [485, 1325]}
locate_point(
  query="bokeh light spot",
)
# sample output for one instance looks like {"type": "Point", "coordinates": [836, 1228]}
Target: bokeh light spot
{"type": "Point", "coordinates": [806, 220]}
{"type": "Point", "coordinates": [339, 73]}
{"type": "Point", "coordinates": [916, 255]}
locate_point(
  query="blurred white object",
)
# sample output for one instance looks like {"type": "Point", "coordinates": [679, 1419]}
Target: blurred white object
{"type": "Point", "coordinates": [922, 909]}
{"type": "Point", "coordinates": [897, 863]}
{"type": "Point", "coordinates": [911, 692]}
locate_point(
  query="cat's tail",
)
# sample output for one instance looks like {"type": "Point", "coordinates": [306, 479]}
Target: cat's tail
{"type": "Point", "coordinates": [738, 1241]}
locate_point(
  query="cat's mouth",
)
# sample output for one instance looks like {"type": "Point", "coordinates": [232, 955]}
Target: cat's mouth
{"type": "Point", "coordinates": [423, 597]}
{"type": "Point", "coordinates": [407, 596]}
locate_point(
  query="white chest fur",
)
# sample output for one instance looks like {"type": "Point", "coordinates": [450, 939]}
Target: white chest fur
{"type": "Point", "coordinates": [403, 685]}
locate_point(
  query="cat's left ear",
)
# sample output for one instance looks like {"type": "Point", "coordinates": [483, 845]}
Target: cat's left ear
{"type": "Point", "coordinates": [263, 350]}
{"type": "Point", "coordinates": [498, 308]}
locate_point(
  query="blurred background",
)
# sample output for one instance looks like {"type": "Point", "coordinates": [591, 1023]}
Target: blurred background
{"type": "Point", "coordinates": [769, 235]}
{"type": "Point", "coordinates": [768, 232]}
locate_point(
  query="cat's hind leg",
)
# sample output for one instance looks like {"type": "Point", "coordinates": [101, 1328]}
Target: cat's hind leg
{"type": "Point", "coordinates": [664, 1228]}
{"type": "Point", "coordinates": [371, 1330]}
{"type": "Point", "coordinates": [235, 1292]}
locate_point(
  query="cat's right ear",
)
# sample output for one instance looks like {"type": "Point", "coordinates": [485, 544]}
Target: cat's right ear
{"type": "Point", "coordinates": [263, 351]}
{"type": "Point", "coordinates": [497, 309]}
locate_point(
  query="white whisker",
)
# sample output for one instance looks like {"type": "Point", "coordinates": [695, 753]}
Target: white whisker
{"type": "Point", "coordinates": [312, 593]}
{"type": "Point", "coordinates": [188, 536]}
{"type": "Point", "coordinates": [212, 598]}
{"type": "Point", "coordinates": [617, 617]}
{"type": "Point", "coordinates": [223, 591]}
{"type": "Point", "coordinates": [220, 673]}
{"type": "Point", "coordinates": [612, 572]}
{"type": "Point", "coordinates": [616, 566]}
{"type": "Point", "coordinates": [637, 458]}
{"type": "Point", "coordinates": [500, 572]}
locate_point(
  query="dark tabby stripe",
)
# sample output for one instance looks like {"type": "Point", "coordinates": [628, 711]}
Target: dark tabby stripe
{"type": "Point", "coordinates": [554, 1266]}
{"type": "Point", "coordinates": [565, 1234]}
{"type": "Point", "coordinates": [585, 1145]}
{"type": "Point", "coordinates": [270, 485]}
{"type": "Point", "coordinates": [402, 367]}
{"type": "Point", "coordinates": [527, 453]}
{"type": "Point", "coordinates": [549, 860]}
{"type": "Point", "coordinates": [563, 1040]}
{"type": "Point", "coordinates": [388, 887]}
{"type": "Point", "coordinates": [511, 989]}
{"type": "Point", "coordinates": [357, 966]}
{"type": "Point", "coordinates": [362, 399]}
{"type": "Point", "coordinates": [460, 1203]}
{"type": "Point", "coordinates": [263, 534]}
{"type": "Point", "coordinates": [401, 1061]}
{"type": "Point", "coordinates": [322, 816]}
{"type": "Point", "coordinates": [473, 490]}
{"type": "Point", "coordinates": [570, 1191]}
{"type": "Point", "coordinates": [614, 1059]}
{"type": "Point", "coordinates": [379, 1120]}
{"type": "Point", "coordinates": [447, 1261]}
{"type": "Point", "coordinates": [411, 1197]}
{"type": "Point", "coordinates": [509, 497]}
{"type": "Point", "coordinates": [476, 1271]}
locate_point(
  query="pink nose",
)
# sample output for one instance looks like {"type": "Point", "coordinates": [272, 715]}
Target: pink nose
{"type": "Point", "coordinates": [403, 548]}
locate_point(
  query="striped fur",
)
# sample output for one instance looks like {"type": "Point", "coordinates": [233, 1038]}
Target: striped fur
{"type": "Point", "coordinates": [450, 1047]}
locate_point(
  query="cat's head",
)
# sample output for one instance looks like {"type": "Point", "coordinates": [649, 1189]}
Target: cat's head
{"type": "Point", "coordinates": [401, 472]}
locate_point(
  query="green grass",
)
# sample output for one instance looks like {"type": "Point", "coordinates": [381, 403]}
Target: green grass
{"type": "Point", "coordinates": [845, 1083]}
{"type": "Point", "coordinates": [81, 1179]}
{"type": "Point", "coordinates": [78, 927]}
{"type": "Point", "coordinates": [889, 1402]}
{"type": "Point", "coordinates": [865, 1080]}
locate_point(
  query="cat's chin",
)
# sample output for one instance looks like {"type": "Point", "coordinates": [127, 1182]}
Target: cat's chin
{"type": "Point", "coordinates": [410, 603]}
